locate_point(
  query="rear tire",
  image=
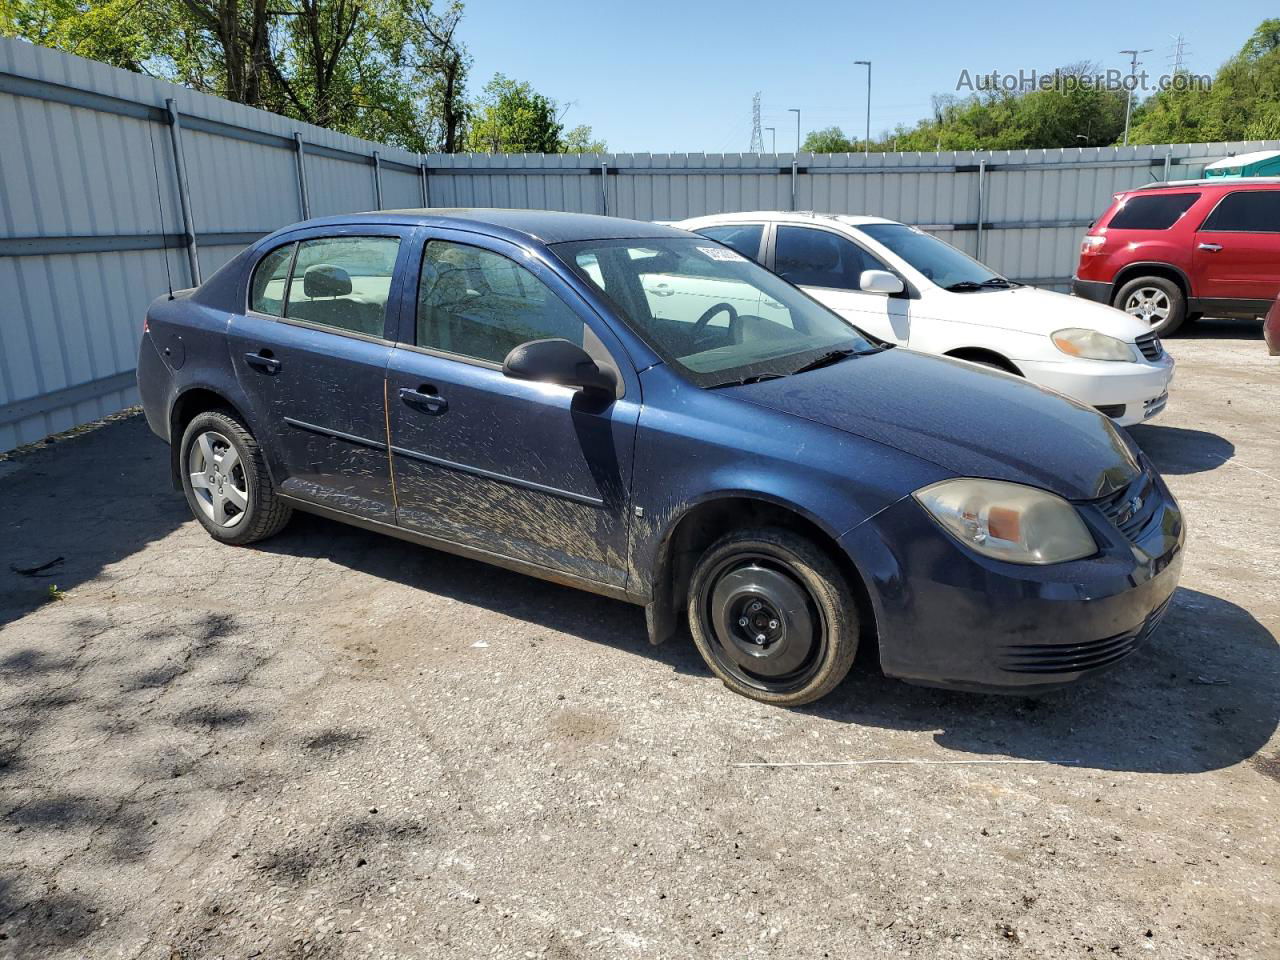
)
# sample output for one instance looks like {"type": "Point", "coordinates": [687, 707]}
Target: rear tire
{"type": "Point", "coordinates": [773, 616]}
{"type": "Point", "coordinates": [225, 479]}
{"type": "Point", "coordinates": [1157, 301]}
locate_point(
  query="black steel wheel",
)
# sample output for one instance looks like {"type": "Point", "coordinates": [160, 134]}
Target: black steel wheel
{"type": "Point", "coordinates": [773, 617]}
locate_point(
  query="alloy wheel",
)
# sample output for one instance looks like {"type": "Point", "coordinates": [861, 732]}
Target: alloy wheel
{"type": "Point", "coordinates": [218, 479]}
{"type": "Point", "coordinates": [1150, 304]}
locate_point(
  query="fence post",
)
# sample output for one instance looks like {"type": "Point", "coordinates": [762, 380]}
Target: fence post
{"type": "Point", "coordinates": [304, 201]}
{"type": "Point", "coordinates": [1167, 158]}
{"type": "Point", "coordinates": [604, 186]}
{"type": "Point", "coordinates": [184, 194]}
{"type": "Point", "coordinates": [795, 173]}
{"type": "Point", "coordinates": [422, 175]}
{"type": "Point", "coordinates": [377, 181]}
{"type": "Point", "coordinates": [982, 186]}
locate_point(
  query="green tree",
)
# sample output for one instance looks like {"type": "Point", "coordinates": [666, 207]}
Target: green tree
{"type": "Point", "coordinates": [830, 140]}
{"type": "Point", "coordinates": [580, 140]}
{"type": "Point", "coordinates": [1243, 102]}
{"type": "Point", "coordinates": [511, 117]}
{"type": "Point", "coordinates": [391, 70]}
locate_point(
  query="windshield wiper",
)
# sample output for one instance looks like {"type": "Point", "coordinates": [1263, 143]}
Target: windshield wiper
{"type": "Point", "coordinates": [742, 381]}
{"type": "Point", "coordinates": [963, 286]}
{"type": "Point", "coordinates": [827, 359]}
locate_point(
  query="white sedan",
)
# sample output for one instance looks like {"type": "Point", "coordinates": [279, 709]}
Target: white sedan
{"type": "Point", "coordinates": [907, 287]}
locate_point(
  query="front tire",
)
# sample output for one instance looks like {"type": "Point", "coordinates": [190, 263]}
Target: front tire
{"type": "Point", "coordinates": [773, 616]}
{"type": "Point", "coordinates": [225, 479]}
{"type": "Point", "coordinates": [1157, 301]}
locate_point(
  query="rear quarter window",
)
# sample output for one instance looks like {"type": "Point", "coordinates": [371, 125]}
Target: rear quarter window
{"type": "Point", "coordinates": [1156, 211]}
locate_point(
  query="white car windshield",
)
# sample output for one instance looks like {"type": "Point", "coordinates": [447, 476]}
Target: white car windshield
{"type": "Point", "coordinates": [710, 312]}
{"type": "Point", "coordinates": [938, 260]}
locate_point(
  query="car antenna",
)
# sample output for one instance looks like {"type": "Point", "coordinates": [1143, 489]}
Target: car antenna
{"type": "Point", "coordinates": [164, 246]}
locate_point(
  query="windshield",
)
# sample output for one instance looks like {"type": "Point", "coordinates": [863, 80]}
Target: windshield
{"type": "Point", "coordinates": [710, 312]}
{"type": "Point", "coordinates": [936, 259]}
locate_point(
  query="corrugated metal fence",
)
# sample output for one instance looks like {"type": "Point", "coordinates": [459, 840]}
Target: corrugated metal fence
{"type": "Point", "coordinates": [114, 186]}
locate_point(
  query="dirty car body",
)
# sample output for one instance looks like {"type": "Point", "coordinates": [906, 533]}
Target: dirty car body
{"type": "Point", "coordinates": [504, 386]}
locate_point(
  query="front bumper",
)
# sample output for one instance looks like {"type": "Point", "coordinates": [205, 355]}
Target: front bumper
{"type": "Point", "coordinates": [1129, 393]}
{"type": "Point", "coordinates": [1096, 290]}
{"type": "Point", "coordinates": [948, 617]}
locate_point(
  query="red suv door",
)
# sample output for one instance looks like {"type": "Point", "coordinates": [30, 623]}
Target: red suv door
{"type": "Point", "coordinates": [1237, 248]}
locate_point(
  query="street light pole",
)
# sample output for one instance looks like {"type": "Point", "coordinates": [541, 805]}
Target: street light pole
{"type": "Point", "coordinates": [867, 141]}
{"type": "Point", "coordinates": [774, 131]}
{"type": "Point", "coordinates": [1128, 104]}
{"type": "Point", "coordinates": [797, 113]}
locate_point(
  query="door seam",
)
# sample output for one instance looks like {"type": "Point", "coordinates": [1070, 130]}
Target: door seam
{"type": "Point", "coordinates": [391, 462]}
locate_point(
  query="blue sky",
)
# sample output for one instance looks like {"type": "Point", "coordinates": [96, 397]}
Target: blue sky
{"type": "Point", "coordinates": [661, 75]}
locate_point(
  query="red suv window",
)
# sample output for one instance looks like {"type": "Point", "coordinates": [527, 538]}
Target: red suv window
{"type": "Point", "coordinates": [1157, 211]}
{"type": "Point", "coordinates": [1246, 211]}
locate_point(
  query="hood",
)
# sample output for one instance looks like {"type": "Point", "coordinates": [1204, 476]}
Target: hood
{"type": "Point", "coordinates": [969, 420]}
{"type": "Point", "coordinates": [1031, 309]}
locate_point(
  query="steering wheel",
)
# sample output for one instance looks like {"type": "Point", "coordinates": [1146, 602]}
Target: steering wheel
{"type": "Point", "coordinates": [699, 328]}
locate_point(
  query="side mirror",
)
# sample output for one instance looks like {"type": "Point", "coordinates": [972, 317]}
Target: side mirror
{"type": "Point", "coordinates": [880, 281]}
{"type": "Point", "coordinates": [559, 361]}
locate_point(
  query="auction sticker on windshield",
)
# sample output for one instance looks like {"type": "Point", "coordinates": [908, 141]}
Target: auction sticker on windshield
{"type": "Point", "coordinates": [722, 253]}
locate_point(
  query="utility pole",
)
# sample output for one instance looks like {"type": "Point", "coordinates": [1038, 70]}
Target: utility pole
{"type": "Point", "coordinates": [796, 111]}
{"type": "Point", "coordinates": [757, 138]}
{"type": "Point", "coordinates": [774, 132]}
{"type": "Point", "coordinates": [1133, 72]}
{"type": "Point", "coordinates": [867, 142]}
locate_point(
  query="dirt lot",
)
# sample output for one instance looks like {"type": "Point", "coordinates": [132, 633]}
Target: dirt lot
{"type": "Point", "coordinates": [340, 745]}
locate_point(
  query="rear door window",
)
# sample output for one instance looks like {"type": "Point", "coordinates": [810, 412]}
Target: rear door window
{"type": "Point", "coordinates": [1246, 211]}
{"type": "Point", "coordinates": [1156, 211]}
{"type": "Point", "coordinates": [819, 258]}
{"type": "Point", "coordinates": [743, 237]}
{"type": "Point", "coordinates": [343, 282]}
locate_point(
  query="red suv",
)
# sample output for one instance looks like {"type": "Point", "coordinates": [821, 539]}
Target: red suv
{"type": "Point", "coordinates": [1167, 252]}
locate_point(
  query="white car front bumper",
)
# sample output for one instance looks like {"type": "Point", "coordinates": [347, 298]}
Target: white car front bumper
{"type": "Point", "coordinates": [1142, 389]}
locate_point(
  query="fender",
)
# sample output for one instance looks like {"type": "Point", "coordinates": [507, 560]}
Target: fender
{"type": "Point", "coordinates": [223, 385]}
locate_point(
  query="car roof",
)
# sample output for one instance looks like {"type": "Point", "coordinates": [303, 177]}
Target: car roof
{"type": "Point", "coordinates": [545, 226]}
{"type": "Point", "coordinates": [788, 216]}
{"type": "Point", "coordinates": [1225, 183]}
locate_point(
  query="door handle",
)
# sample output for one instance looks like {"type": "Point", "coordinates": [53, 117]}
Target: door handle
{"type": "Point", "coordinates": [662, 290]}
{"type": "Point", "coordinates": [1211, 247]}
{"type": "Point", "coordinates": [264, 361]}
{"type": "Point", "coordinates": [426, 399]}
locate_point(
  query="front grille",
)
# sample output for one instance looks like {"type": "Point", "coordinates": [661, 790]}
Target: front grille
{"type": "Point", "coordinates": [1132, 508]}
{"type": "Point", "coordinates": [1077, 657]}
{"type": "Point", "coordinates": [1149, 345]}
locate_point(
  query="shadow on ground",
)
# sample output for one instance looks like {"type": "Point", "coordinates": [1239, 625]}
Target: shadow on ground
{"type": "Point", "coordinates": [91, 500]}
{"type": "Point", "coordinates": [1199, 696]}
{"type": "Point", "coordinates": [1179, 451]}
{"type": "Point", "coordinates": [1219, 328]}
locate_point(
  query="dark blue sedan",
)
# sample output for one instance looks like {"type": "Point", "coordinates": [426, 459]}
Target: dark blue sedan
{"type": "Point", "coordinates": [644, 413]}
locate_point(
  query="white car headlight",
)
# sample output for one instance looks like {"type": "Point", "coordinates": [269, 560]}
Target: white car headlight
{"type": "Point", "coordinates": [1008, 521]}
{"type": "Point", "coordinates": [1092, 345]}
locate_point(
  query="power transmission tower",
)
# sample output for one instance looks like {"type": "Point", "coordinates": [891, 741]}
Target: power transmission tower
{"type": "Point", "coordinates": [757, 133]}
{"type": "Point", "coordinates": [1179, 54]}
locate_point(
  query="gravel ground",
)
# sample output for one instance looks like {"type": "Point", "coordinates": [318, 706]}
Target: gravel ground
{"type": "Point", "coordinates": [338, 745]}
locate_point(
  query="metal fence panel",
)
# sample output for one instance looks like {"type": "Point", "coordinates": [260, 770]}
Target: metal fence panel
{"type": "Point", "coordinates": [93, 224]}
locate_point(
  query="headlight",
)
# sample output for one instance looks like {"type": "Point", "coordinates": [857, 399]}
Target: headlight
{"type": "Point", "coordinates": [1092, 345]}
{"type": "Point", "coordinates": [1008, 521]}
